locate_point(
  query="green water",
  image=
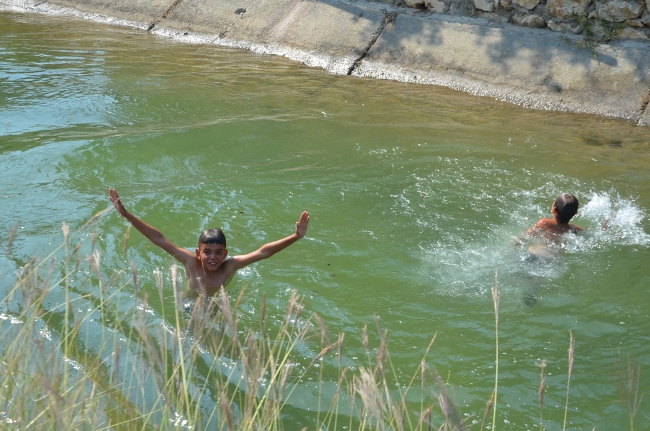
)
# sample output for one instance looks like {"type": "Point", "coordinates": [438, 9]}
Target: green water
{"type": "Point", "coordinates": [414, 192]}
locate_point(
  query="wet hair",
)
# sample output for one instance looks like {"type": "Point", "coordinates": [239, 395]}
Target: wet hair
{"type": "Point", "coordinates": [567, 206]}
{"type": "Point", "coordinates": [212, 236]}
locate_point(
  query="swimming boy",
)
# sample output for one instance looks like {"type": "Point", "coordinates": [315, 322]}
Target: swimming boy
{"type": "Point", "coordinates": [549, 231]}
{"type": "Point", "coordinates": [542, 239]}
{"type": "Point", "coordinates": [564, 208]}
{"type": "Point", "coordinates": [207, 269]}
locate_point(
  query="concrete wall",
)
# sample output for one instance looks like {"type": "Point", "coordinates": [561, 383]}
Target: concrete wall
{"type": "Point", "coordinates": [532, 67]}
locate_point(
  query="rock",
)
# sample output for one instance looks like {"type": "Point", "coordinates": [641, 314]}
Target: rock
{"type": "Point", "coordinates": [493, 17]}
{"type": "Point", "coordinates": [635, 23]}
{"type": "Point", "coordinates": [593, 15]}
{"type": "Point", "coordinates": [461, 7]}
{"type": "Point", "coordinates": [619, 10]}
{"type": "Point", "coordinates": [598, 31]}
{"type": "Point", "coordinates": [418, 4]}
{"type": "Point", "coordinates": [631, 33]}
{"type": "Point", "coordinates": [645, 19]}
{"type": "Point", "coordinates": [506, 4]}
{"type": "Point", "coordinates": [567, 8]}
{"type": "Point", "coordinates": [484, 5]}
{"type": "Point", "coordinates": [437, 6]}
{"type": "Point", "coordinates": [528, 20]}
{"type": "Point", "coordinates": [527, 4]}
{"type": "Point", "coordinates": [563, 26]}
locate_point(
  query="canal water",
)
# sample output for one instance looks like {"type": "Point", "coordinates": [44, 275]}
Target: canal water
{"type": "Point", "coordinates": [416, 195]}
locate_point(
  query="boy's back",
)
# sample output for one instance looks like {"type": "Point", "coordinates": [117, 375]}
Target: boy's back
{"type": "Point", "coordinates": [563, 209]}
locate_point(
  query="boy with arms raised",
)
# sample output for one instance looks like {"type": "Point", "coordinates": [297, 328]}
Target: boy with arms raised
{"type": "Point", "coordinates": [207, 269]}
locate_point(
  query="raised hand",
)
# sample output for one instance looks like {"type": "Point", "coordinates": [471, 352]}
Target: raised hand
{"type": "Point", "coordinates": [115, 199]}
{"type": "Point", "coordinates": [302, 225]}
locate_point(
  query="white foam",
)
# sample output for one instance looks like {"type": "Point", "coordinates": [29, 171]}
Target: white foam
{"type": "Point", "coordinates": [615, 221]}
{"type": "Point", "coordinates": [465, 266]}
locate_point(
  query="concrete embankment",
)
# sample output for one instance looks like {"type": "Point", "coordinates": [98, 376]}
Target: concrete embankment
{"type": "Point", "coordinates": [534, 68]}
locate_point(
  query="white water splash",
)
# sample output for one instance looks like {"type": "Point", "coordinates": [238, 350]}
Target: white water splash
{"type": "Point", "coordinates": [616, 221]}
{"type": "Point", "coordinates": [466, 268]}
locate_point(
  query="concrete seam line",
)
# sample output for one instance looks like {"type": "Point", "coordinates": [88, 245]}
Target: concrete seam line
{"type": "Point", "coordinates": [164, 15]}
{"type": "Point", "coordinates": [389, 18]}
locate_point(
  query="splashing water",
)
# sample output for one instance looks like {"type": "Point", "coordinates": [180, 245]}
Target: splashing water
{"type": "Point", "coordinates": [619, 220]}
{"type": "Point", "coordinates": [467, 268]}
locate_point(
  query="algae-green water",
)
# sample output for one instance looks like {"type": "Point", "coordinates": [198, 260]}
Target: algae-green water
{"type": "Point", "coordinates": [415, 194]}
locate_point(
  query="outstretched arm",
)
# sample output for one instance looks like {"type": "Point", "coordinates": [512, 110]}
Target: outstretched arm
{"type": "Point", "coordinates": [268, 250]}
{"type": "Point", "coordinates": [153, 234]}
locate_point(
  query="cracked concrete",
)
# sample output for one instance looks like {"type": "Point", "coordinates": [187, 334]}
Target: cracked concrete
{"type": "Point", "coordinates": [534, 68]}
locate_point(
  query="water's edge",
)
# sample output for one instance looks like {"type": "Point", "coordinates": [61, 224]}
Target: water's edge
{"type": "Point", "coordinates": [534, 68]}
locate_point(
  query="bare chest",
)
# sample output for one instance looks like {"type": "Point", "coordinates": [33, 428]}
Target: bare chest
{"type": "Point", "coordinates": [199, 279]}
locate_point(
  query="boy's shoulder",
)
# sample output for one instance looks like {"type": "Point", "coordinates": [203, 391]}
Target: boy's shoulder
{"type": "Point", "coordinates": [552, 226]}
{"type": "Point", "coordinates": [546, 224]}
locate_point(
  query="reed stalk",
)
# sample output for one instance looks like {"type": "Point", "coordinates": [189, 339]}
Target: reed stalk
{"type": "Point", "coordinates": [572, 347]}
{"type": "Point", "coordinates": [627, 384]}
{"type": "Point", "coordinates": [495, 300]}
{"type": "Point", "coordinates": [541, 391]}
{"type": "Point", "coordinates": [96, 360]}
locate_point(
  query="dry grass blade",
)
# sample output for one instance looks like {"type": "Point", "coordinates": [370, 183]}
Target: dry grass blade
{"type": "Point", "coordinates": [366, 387]}
{"type": "Point", "coordinates": [94, 218]}
{"type": "Point", "coordinates": [322, 353]}
{"type": "Point", "coordinates": [447, 406]}
{"type": "Point", "coordinates": [425, 418]}
{"type": "Point", "coordinates": [127, 235]}
{"type": "Point", "coordinates": [116, 362]}
{"type": "Point", "coordinates": [488, 407]}
{"type": "Point", "coordinates": [66, 234]}
{"type": "Point", "coordinates": [572, 347]}
{"type": "Point", "coordinates": [134, 277]}
{"type": "Point", "coordinates": [159, 283]}
{"type": "Point", "coordinates": [262, 312]}
{"type": "Point", "coordinates": [496, 300]}
{"type": "Point", "coordinates": [224, 305]}
{"type": "Point", "coordinates": [178, 294]}
{"type": "Point", "coordinates": [628, 388]}
{"type": "Point", "coordinates": [94, 261]}
{"type": "Point", "coordinates": [10, 241]}
{"type": "Point", "coordinates": [541, 391]}
{"type": "Point", "coordinates": [495, 295]}
{"type": "Point", "coordinates": [224, 406]}
{"type": "Point", "coordinates": [364, 340]}
{"type": "Point", "coordinates": [323, 328]}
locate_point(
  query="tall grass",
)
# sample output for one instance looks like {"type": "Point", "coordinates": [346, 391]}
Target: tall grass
{"type": "Point", "coordinates": [627, 383]}
{"type": "Point", "coordinates": [81, 349]}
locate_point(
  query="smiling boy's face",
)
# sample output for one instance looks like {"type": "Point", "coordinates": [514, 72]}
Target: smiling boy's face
{"type": "Point", "coordinates": [211, 255]}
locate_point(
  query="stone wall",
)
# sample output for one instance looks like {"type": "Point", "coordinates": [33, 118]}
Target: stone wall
{"type": "Point", "coordinates": [597, 20]}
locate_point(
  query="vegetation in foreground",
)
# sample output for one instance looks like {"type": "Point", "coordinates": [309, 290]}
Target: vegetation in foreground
{"type": "Point", "coordinates": [132, 366]}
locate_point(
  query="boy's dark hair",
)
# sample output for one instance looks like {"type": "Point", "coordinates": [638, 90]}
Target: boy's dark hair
{"type": "Point", "coordinates": [567, 206]}
{"type": "Point", "coordinates": [212, 236]}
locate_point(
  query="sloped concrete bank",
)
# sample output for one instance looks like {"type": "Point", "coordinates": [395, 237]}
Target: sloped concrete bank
{"type": "Point", "coordinates": [535, 68]}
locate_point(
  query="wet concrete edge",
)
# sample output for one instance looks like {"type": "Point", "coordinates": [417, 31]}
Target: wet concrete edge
{"type": "Point", "coordinates": [616, 83]}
